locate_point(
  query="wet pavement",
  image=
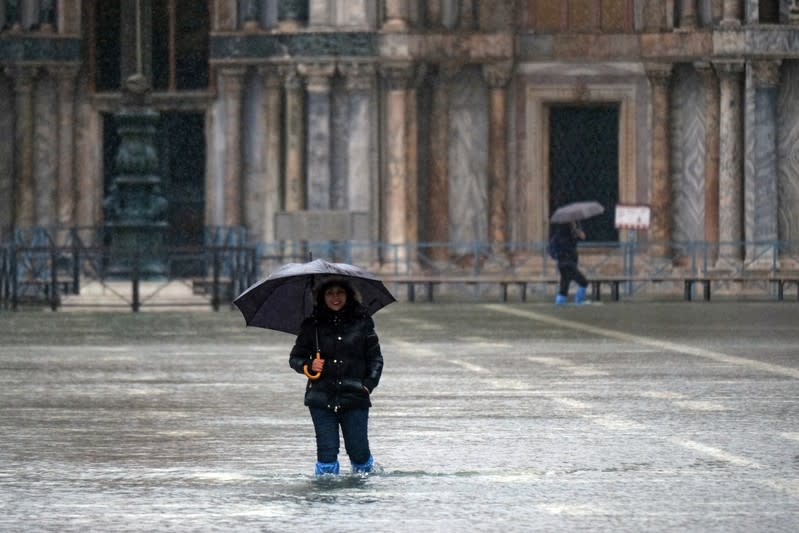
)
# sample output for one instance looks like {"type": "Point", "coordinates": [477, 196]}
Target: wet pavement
{"type": "Point", "coordinates": [489, 417]}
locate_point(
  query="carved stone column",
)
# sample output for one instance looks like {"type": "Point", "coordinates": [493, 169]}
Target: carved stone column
{"type": "Point", "coordinates": [66, 188]}
{"type": "Point", "coordinates": [396, 16]}
{"type": "Point", "coordinates": [397, 78]}
{"type": "Point", "coordinates": [412, 142]}
{"type": "Point", "coordinates": [251, 15]}
{"type": "Point", "coordinates": [731, 14]}
{"type": "Point", "coordinates": [225, 15]}
{"type": "Point", "coordinates": [320, 13]}
{"type": "Point", "coordinates": [497, 76]}
{"type": "Point", "coordinates": [793, 12]}
{"type": "Point", "coordinates": [710, 84]}
{"type": "Point", "coordinates": [730, 156]}
{"type": "Point", "coordinates": [290, 14]}
{"type": "Point", "coordinates": [271, 146]}
{"type": "Point", "coordinates": [294, 127]}
{"type": "Point", "coordinates": [766, 82]}
{"type": "Point", "coordinates": [434, 14]}
{"type": "Point", "coordinates": [661, 190]}
{"type": "Point", "coordinates": [360, 80]}
{"type": "Point", "coordinates": [231, 88]}
{"type": "Point", "coordinates": [688, 14]}
{"type": "Point", "coordinates": [466, 17]}
{"type": "Point", "coordinates": [318, 78]}
{"type": "Point", "coordinates": [68, 13]}
{"type": "Point", "coordinates": [24, 208]}
{"type": "Point", "coordinates": [438, 163]}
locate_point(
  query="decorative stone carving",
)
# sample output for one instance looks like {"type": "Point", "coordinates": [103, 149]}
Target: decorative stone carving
{"type": "Point", "coordinates": [497, 75]}
{"type": "Point", "coordinates": [359, 76]}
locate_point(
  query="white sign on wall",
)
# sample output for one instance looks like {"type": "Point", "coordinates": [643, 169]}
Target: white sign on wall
{"type": "Point", "coordinates": [632, 216]}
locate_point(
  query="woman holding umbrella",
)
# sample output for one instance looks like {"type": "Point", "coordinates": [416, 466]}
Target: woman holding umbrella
{"type": "Point", "coordinates": [338, 350]}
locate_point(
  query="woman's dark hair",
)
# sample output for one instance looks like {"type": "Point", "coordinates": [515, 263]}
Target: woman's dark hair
{"type": "Point", "coordinates": [353, 305]}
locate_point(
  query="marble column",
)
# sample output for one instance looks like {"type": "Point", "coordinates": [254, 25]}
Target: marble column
{"type": "Point", "coordinates": [251, 15]}
{"type": "Point", "coordinates": [359, 79]}
{"type": "Point", "coordinates": [289, 14]}
{"type": "Point", "coordinates": [318, 79]}
{"type": "Point", "coordinates": [225, 15]}
{"type": "Point", "coordinates": [730, 157]}
{"type": "Point", "coordinates": [231, 92]}
{"type": "Point", "coordinates": [396, 16]}
{"type": "Point", "coordinates": [466, 18]}
{"type": "Point", "coordinates": [688, 14]}
{"type": "Point", "coordinates": [497, 76]}
{"type": "Point", "coordinates": [438, 163]}
{"type": "Point", "coordinates": [434, 15]}
{"type": "Point", "coordinates": [320, 13]}
{"type": "Point", "coordinates": [294, 127]}
{"type": "Point", "coordinates": [710, 83]}
{"type": "Point", "coordinates": [661, 190]}
{"type": "Point", "coordinates": [68, 13]}
{"type": "Point", "coordinates": [24, 205]}
{"type": "Point", "coordinates": [66, 187]}
{"type": "Point", "coordinates": [412, 142]}
{"type": "Point", "coordinates": [766, 81]}
{"type": "Point", "coordinates": [271, 146]}
{"type": "Point", "coordinates": [731, 14]}
{"type": "Point", "coordinates": [397, 78]}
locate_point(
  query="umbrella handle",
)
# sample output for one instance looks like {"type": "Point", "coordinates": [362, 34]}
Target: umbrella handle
{"type": "Point", "coordinates": [308, 374]}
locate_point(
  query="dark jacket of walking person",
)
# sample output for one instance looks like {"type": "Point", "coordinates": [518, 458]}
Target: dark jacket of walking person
{"type": "Point", "coordinates": [350, 364]}
{"type": "Point", "coordinates": [566, 238]}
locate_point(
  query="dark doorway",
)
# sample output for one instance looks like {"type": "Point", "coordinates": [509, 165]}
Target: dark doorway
{"type": "Point", "coordinates": [584, 162]}
{"type": "Point", "coordinates": [180, 142]}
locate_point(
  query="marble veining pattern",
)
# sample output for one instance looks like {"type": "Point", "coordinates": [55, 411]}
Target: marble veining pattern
{"type": "Point", "coordinates": [788, 151]}
{"type": "Point", "coordinates": [688, 155]}
{"type": "Point", "coordinates": [468, 159]}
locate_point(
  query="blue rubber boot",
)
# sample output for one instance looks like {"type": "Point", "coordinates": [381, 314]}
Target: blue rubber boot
{"type": "Point", "coordinates": [560, 299]}
{"type": "Point", "coordinates": [327, 468]}
{"type": "Point", "coordinates": [579, 296]}
{"type": "Point", "coordinates": [363, 468]}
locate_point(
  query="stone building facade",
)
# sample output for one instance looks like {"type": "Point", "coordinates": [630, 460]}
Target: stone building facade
{"type": "Point", "coordinates": [433, 117]}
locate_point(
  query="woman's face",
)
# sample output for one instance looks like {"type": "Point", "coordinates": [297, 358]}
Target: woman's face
{"type": "Point", "coordinates": [335, 298]}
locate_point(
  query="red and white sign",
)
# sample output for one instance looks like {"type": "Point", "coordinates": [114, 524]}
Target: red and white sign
{"type": "Point", "coordinates": [632, 216]}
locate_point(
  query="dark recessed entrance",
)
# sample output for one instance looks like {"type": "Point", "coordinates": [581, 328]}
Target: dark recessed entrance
{"type": "Point", "coordinates": [180, 141]}
{"type": "Point", "coordinates": [584, 162]}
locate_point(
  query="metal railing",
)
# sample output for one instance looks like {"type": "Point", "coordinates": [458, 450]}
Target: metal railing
{"type": "Point", "coordinates": [43, 265]}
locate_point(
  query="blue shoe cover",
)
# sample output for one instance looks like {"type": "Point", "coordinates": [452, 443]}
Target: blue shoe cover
{"type": "Point", "coordinates": [327, 468]}
{"type": "Point", "coordinates": [363, 468]}
{"type": "Point", "coordinates": [579, 297]}
{"type": "Point", "coordinates": [560, 299]}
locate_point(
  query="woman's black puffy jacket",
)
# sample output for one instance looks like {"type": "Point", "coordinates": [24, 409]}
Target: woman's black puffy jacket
{"type": "Point", "coordinates": [349, 345]}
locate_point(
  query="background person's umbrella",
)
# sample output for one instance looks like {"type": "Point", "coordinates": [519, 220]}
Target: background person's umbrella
{"type": "Point", "coordinates": [576, 211]}
{"type": "Point", "coordinates": [285, 298]}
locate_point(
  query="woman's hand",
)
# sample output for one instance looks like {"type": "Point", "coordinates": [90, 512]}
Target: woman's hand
{"type": "Point", "coordinates": [317, 365]}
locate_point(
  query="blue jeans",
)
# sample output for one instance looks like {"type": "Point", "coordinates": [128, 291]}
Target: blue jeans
{"type": "Point", "coordinates": [354, 427]}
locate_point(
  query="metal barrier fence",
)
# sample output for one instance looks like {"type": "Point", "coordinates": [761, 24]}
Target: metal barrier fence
{"type": "Point", "coordinates": [41, 265]}
{"type": "Point", "coordinates": [45, 274]}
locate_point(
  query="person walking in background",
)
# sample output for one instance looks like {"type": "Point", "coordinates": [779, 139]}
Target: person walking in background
{"type": "Point", "coordinates": [565, 237]}
{"type": "Point", "coordinates": [342, 376]}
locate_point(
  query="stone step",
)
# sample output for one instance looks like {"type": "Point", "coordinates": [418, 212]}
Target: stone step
{"type": "Point", "coordinates": [153, 296]}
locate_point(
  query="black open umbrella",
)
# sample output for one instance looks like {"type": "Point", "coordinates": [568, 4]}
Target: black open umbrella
{"type": "Point", "coordinates": [285, 298]}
